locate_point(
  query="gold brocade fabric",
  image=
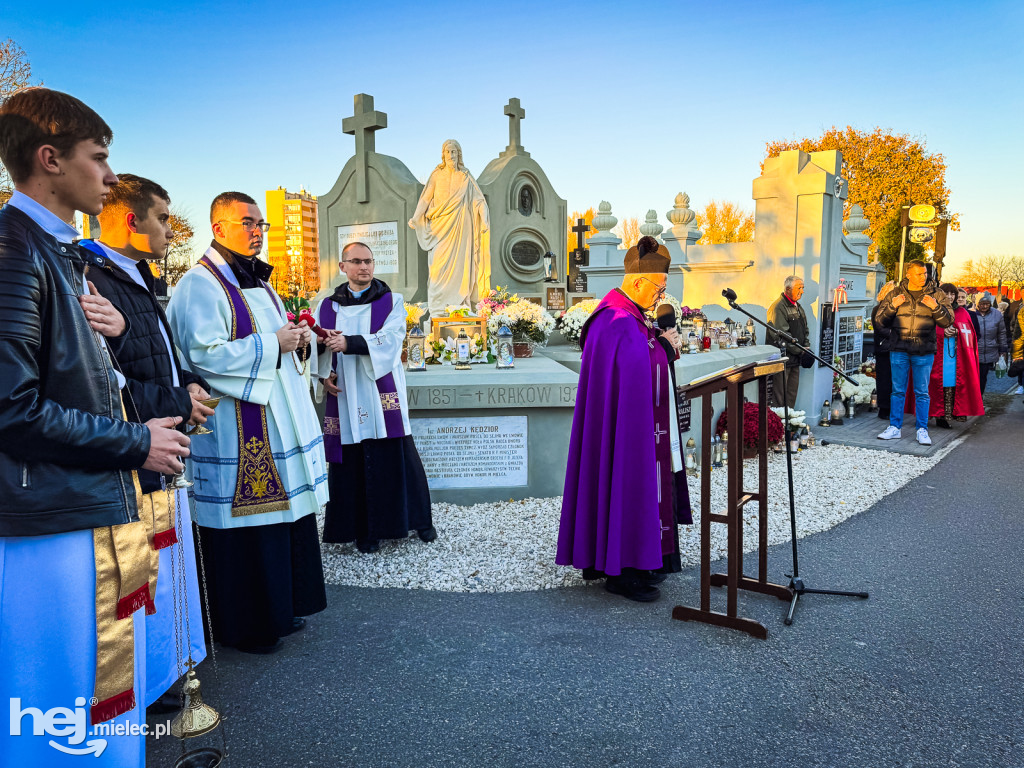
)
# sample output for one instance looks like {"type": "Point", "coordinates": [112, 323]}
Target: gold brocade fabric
{"type": "Point", "coordinates": [258, 487]}
{"type": "Point", "coordinates": [124, 572]}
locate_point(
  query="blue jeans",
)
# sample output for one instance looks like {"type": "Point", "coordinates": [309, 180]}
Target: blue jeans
{"type": "Point", "coordinates": [902, 363]}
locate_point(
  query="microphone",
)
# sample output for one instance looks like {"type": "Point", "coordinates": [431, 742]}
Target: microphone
{"type": "Point", "coordinates": [729, 294]}
{"type": "Point", "coordinates": [666, 316]}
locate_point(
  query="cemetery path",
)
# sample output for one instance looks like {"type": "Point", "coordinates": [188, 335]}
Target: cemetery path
{"type": "Point", "coordinates": [924, 674]}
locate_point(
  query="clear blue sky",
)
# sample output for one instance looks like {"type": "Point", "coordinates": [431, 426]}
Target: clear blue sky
{"type": "Point", "coordinates": [630, 104]}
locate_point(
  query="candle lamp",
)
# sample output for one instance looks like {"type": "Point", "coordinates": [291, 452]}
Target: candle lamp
{"type": "Point", "coordinates": [504, 351]}
{"type": "Point", "coordinates": [825, 418]}
{"type": "Point", "coordinates": [838, 411]}
{"type": "Point", "coordinates": [416, 359]}
{"type": "Point", "coordinates": [691, 458]}
{"type": "Point", "coordinates": [462, 351]}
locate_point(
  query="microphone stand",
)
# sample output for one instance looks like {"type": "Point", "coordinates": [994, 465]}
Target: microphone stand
{"type": "Point", "coordinates": [796, 583]}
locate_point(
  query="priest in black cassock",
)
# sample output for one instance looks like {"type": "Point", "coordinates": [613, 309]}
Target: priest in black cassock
{"type": "Point", "coordinates": [378, 489]}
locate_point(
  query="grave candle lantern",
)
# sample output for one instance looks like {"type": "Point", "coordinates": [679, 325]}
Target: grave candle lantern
{"type": "Point", "coordinates": [504, 350]}
{"type": "Point", "coordinates": [416, 358]}
{"type": "Point", "coordinates": [825, 418]}
{"type": "Point", "coordinates": [691, 458]}
{"type": "Point", "coordinates": [462, 351]}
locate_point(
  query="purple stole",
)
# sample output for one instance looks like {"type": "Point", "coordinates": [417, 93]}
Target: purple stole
{"type": "Point", "coordinates": [386, 389]}
{"type": "Point", "coordinates": [663, 442]}
{"type": "Point", "coordinates": [258, 487]}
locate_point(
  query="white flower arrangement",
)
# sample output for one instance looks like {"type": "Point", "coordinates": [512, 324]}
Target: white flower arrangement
{"type": "Point", "coordinates": [524, 318]}
{"type": "Point", "coordinates": [572, 320]}
{"type": "Point", "coordinates": [861, 393]}
{"type": "Point", "coordinates": [796, 418]}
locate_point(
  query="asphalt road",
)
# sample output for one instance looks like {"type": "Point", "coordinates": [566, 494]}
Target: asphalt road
{"type": "Point", "coordinates": [926, 673]}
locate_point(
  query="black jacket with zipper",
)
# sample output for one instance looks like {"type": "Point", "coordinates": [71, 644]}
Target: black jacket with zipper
{"type": "Point", "coordinates": [912, 323]}
{"type": "Point", "coordinates": [142, 354]}
{"type": "Point", "coordinates": [66, 453]}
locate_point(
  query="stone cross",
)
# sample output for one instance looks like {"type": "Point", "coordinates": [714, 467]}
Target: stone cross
{"type": "Point", "coordinates": [515, 113]}
{"type": "Point", "coordinates": [580, 229]}
{"type": "Point", "coordinates": [362, 124]}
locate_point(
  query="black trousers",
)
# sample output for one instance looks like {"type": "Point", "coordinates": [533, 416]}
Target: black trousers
{"type": "Point", "coordinates": [983, 371]}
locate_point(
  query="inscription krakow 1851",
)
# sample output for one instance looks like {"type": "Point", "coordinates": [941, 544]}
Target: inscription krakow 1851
{"type": "Point", "coordinates": [522, 396]}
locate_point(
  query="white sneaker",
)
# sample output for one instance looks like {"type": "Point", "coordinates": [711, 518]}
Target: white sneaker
{"type": "Point", "coordinates": [1020, 390]}
{"type": "Point", "coordinates": [891, 433]}
{"type": "Point", "coordinates": [922, 437]}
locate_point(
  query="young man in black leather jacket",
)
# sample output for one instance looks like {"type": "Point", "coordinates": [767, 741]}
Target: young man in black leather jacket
{"type": "Point", "coordinates": [74, 563]}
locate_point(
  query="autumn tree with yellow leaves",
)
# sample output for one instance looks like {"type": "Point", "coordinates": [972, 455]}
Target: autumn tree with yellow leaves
{"type": "Point", "coordinates": [588, 219]}
{"type": "Point", "coordinates": [884, 171]}
{"type": "Point", "coordinates": [724, 223]}
{"type": "Point", "coordinates": [180, 255]}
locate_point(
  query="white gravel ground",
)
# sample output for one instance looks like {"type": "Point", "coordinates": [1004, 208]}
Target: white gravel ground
{"type": "Point", "coordinates": [509, 546]}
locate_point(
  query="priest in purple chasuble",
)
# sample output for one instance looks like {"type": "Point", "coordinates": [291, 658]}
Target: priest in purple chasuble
{"type": "Point", "coordinates": [378, 488]}
{"type": "Point", "coordinates": [625, 491]}
{"type": "Point", "coordinates": [260, 478]}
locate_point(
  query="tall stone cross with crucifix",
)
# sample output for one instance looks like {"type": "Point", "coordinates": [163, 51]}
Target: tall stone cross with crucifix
{"type": "Point", "coordinates": [515, 113]}
{"type": "Point", "coordinates": [362, 125]}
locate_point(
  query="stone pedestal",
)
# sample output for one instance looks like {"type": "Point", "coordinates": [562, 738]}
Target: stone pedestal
{"type": "Point", "coordinates": [490, 435]}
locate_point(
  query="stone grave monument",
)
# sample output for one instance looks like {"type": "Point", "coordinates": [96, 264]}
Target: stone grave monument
{"type": "Point", "coordinates": [372, 201]}
{"type": "Point", "coordinates": [527, 218]}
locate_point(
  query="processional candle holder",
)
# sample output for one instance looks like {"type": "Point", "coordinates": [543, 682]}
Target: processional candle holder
{"type": "Point", "coordinates": [417, 357]}
{"type": "Point", "coordinates": [505, 353]}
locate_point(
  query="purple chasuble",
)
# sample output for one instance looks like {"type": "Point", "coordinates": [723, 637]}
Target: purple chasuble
{"type": "Point", "coordinates": [619, 503]}
{"type": "Point", "coordinates": [386, 388]}
{"type": "Point", "coordinates": [258, 487]}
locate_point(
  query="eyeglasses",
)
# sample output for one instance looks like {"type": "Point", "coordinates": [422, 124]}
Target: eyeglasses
{"type": "Point", "coordinates": [248, 224]}
{"type": "Point", "coordinates": [661, 288]}
{"type": "Point", "coordinates": [359, 262]}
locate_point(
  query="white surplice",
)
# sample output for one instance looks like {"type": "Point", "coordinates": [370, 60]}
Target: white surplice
{"type": "Point", "coordinates": [200, 317]}
{"type": "Point", "coordinates": [360, 414]}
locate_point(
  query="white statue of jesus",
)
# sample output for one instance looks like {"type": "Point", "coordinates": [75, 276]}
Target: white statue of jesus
{"type": "Point", "coordinates": [453, 226]}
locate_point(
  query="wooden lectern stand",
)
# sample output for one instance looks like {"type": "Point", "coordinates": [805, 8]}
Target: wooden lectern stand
{"type": "Point", "coordinates": [731, 381]}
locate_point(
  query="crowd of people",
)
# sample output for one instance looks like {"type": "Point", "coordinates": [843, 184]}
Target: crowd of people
{"type": "Point", "coordinates": [106, 397]}
{"type": "Point", "coordinates": [930, 343]}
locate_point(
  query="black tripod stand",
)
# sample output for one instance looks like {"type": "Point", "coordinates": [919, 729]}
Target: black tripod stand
{"type": "Point", "coordinates": [796, 583]}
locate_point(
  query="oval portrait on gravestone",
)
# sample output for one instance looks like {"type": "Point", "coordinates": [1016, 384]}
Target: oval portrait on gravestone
{"type": "Point", "coordinates": [526, 201]}
{"type": "Point", "coordinates": [526, 253]}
